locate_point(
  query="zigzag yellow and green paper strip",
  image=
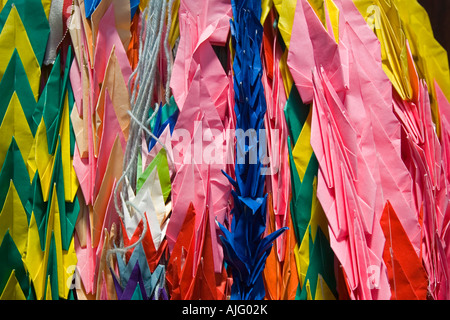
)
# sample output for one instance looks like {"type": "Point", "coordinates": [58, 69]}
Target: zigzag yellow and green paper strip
{"type": "Point", "coordinates": [314, 257]}
{"type": "Point", "coordinates": [39, 204]}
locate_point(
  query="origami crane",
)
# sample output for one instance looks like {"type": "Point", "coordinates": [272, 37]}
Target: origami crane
{"type": "Point", "coordinates": [213, 150]}
{"type": "Point", "coordinates": [100, 123]}
{"type": "Point", "coordinates": [245, 249]}
{"type": "Point", "coordinates": [200, 88]}
{"type": "Point", "coordinates": [37, 148]}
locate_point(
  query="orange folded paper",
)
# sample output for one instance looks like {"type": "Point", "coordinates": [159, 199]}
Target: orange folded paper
{"type": "Point", "coordinates": [407, 276]}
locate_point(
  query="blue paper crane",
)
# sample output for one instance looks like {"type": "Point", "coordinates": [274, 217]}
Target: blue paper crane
{"type": "Point", "coordinates": [245, 249]}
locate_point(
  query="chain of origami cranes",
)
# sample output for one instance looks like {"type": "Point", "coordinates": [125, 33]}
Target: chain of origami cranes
{"type": "Point", "coordinates": [223, 149]}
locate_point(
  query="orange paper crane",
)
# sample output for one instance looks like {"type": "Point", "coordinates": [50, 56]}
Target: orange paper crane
{"type": "Point", "coordinates": [153, 256]}
{"type": "Point", "coordinates": [208, 285]}
{"type": "Point", "coordinates": [190, 270]}
{"type": "Point", "coordinates": [176, 265]}
{"type": "Point", "coordinates": [407, 276]}
{"type": "Point", "coordinates": [281, 278]}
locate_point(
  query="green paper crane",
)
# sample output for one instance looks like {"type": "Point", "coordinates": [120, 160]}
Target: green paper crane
{"type": "Point", "coordinates": [37, 219]}
{"type": "Point", "coordinates": [314, 257]}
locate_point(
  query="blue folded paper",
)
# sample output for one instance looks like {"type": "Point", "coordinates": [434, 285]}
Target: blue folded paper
{"type": "Point", "coordinates": [91, 5]}
{"type": "Point", "coordinates": [245, 249]}
{"type": "Point", "coordinates": [135, 280]}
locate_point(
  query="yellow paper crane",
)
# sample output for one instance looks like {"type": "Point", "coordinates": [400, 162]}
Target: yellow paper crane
{"type": "Point", "coordinates": [383, 17]}
{"type": "Point", "coordinates": [14, 36]}
{"type": "Point", "coordinates": [396, 23]}
{"type": "Point", "coordinates": [37, 260]}
{"type": "Point", "coordinates": [38, 234]}
{"type": "Point", "coordinates": [15, 125]}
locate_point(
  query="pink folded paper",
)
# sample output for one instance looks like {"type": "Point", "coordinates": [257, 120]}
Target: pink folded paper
{"type": "Point", "coordinates": [195, 172]}
{"type": "Point", "coordinates": [206, 21]}
{"type": "Point", "coordinates": [101, 123]}
{"type": "Point", "coordinates": [278, 179]}
{"type": "Point", "coordinates": [200, 150]}
{"type": "Point", "coordinates": [313, 46]}
{"type": "Point", "coordinates": [356, 138]}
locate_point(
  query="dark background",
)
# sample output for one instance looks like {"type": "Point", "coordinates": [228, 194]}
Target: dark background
{"type": "Point", "coordinates": [439, 13]}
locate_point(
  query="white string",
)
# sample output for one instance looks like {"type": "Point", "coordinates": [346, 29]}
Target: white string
{"type": "Point", "coordinates": [144, 127]}
{"type": "Point", "coordinates": [124, 250]}
{"type": "Point", "coordinates": [141, 96]}
{"type": "Point", "coordinates": [144, 80]}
